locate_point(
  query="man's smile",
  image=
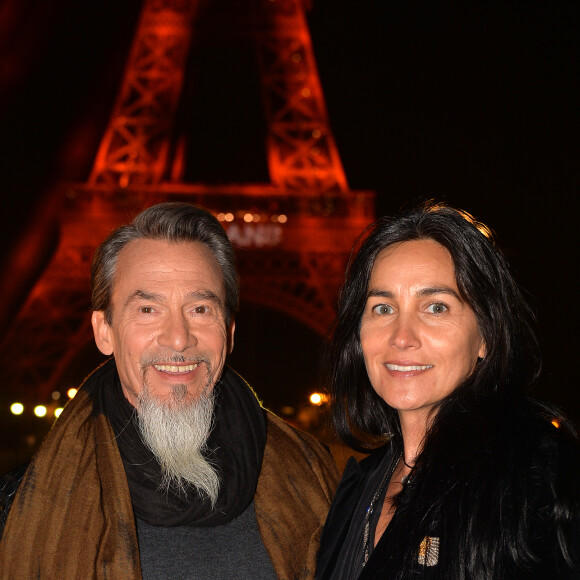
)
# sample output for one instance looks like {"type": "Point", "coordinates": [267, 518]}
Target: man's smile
{"type": "Point", "coordinates": [176, 369]}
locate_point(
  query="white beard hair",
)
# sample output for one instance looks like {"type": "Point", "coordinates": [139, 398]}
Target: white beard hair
{"type": "Point", "coordinates": [176, 432]}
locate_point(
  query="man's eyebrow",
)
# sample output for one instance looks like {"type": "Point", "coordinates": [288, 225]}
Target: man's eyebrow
{"type": "Point", "coordinates": [203, 295]}
{"type": "Point", "coordinates": [142, 295]}
{"type": "Point", "coordinates": [156, 297]}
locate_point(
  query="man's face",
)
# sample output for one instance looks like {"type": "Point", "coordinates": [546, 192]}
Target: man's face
{"type": "Point", "coordinates": [168, 328]}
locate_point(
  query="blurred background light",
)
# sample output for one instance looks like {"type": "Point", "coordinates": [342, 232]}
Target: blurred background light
{"type": "Point", "coordinates": [318, 398]}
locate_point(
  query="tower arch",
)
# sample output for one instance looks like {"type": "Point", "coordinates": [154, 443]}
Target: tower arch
{"type": "Point", "coordinates": [292, 234]}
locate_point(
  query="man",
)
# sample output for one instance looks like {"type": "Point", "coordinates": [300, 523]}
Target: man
{"type": "Point", "coordinates": [165, 465]}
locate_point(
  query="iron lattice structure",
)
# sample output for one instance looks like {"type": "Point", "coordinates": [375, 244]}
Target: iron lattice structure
{"type": "Point", "coordinates": [293, 234]}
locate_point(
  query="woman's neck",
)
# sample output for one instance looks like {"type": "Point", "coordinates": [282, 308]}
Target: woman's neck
{"type": "Point", "coordinates": [413, 429]}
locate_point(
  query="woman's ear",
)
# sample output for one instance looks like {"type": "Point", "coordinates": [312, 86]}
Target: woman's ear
{"type": "Point", "coordinates": [482, 350]}
{"type": "Point", "coordinates": [103, 332]}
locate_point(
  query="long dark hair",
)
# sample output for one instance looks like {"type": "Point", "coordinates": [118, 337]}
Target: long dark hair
{"type": "Point", "coordinates": [512, 361]}
{"type": "Point", "coordinates": [472, 478]}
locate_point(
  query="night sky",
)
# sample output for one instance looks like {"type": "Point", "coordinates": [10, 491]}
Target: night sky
{"type": "Point", "coordinates": [471, 103]}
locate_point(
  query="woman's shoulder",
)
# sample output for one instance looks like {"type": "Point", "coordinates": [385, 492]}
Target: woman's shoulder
{"type": "Point", "coordinates": [521, 483]}
{"type": "Point", "coordinates": [350, 494]}
{"type": "Point", "coordinates": [360, 468]}
{"type": "Point", "coordinates": [545, 473]}
{"type": "Point", "coordinates": [555, 454]}
{"type": "Point", "coordinates": [524, 461]}
{"type": "Point", "coordinates": [553, 489]}
{"type": "Point", "coordinates": [549, 439]}
{"type": "Point", "coordinates": [354, 479]}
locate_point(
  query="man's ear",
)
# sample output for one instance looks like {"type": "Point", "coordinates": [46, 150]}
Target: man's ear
{"type": "Point", "coordinates": [103, 332]}
{"type": "Point", "coordinates": [231, 331]}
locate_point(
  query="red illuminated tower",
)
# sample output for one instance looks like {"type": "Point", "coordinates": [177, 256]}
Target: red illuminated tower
{"type": "Point", "coordinates": [293, 231]}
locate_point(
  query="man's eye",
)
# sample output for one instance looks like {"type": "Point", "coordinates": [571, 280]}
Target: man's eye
{"type": "Point", "coordinates": [437, 308]}
{"type": "Point", "coordinates": [382, 309]}
{"type": "Point", "coordinates": [146, 309]}
{"type": "Point", "coordinates": [200, 309]}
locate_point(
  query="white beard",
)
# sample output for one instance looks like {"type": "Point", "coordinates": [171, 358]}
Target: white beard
{"type": "Point", "coordinates": [176, 432]}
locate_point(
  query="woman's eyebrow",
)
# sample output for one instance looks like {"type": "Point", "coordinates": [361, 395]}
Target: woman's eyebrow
{"type": "Point", "coordinates": [380, 293]}
{"type": "Point", "coordinates": [429, 291]}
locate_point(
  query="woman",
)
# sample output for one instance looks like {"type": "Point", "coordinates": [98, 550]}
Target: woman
{"type": "Point", "coordinates": [430, 357]}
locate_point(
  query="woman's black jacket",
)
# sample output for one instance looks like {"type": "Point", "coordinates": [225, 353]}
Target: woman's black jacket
{"type": "Point", "coordinates": [515, 513]}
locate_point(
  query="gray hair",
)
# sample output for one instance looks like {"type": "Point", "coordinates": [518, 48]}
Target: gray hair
{"type": "Point", "coordinates": [172, 222]}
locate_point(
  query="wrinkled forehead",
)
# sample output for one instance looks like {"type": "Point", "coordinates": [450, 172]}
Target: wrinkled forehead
{"type": "Point", "coordinates": [160, 262]}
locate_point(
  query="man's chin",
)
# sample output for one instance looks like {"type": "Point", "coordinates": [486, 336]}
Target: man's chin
{"type": "Point", "coordinates": [178, 394]}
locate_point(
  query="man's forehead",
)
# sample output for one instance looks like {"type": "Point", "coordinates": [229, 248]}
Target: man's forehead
{"type": "Point", "coordinates": [144, 265]}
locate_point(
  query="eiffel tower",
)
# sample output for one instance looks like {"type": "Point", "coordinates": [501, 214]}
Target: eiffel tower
{"type": "Point", "coordinates": [293, 232]}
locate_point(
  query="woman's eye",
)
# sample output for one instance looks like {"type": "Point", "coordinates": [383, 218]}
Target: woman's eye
{"type": "Point", "coordinates": [437, 308]}
{"type": "Point", "coordinates": [382, 309]}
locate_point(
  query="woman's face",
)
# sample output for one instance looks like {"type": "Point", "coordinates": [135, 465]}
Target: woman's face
{"type": "Point", "coordinates": [420, 340]}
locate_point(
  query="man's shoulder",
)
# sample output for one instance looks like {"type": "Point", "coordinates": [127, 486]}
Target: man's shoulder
{"type": "Point", "coordinates": [285, 436]}
{"type": "Point", "coordinates": [298, 448]}
{"type": "Point", "coordinates": [295, 488]}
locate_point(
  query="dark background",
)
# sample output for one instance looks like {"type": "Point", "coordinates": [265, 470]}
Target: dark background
{"type": "Point", "coordinates": [471, 103]}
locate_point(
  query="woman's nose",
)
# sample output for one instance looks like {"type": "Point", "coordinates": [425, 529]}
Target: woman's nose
{"type": "Point", "coordinates": [404, 332]}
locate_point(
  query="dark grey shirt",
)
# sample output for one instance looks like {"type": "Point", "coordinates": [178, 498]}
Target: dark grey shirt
{"type": "Point", "coordinates": [234, 551]}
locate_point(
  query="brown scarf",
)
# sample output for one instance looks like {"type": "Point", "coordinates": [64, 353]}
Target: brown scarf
{"type": "Point", "coordinates": [72, 515]}
{"type": "Point", "coordinates": [77, 476]}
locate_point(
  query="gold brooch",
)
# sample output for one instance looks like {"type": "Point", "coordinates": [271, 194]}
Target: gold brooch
{"type": "Point", "coordinates": [428, 551]}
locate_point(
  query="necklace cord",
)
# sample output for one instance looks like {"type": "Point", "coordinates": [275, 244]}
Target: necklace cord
{"type": "Point", "coordinates": [371, 508]}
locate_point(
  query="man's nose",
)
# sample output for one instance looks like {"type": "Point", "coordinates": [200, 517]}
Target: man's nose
{"type": "Point", "coordinates": [177, 333]}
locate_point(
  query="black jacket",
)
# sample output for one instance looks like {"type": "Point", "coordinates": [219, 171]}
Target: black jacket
{"type": "Point", "coordinates": [544, 462]}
